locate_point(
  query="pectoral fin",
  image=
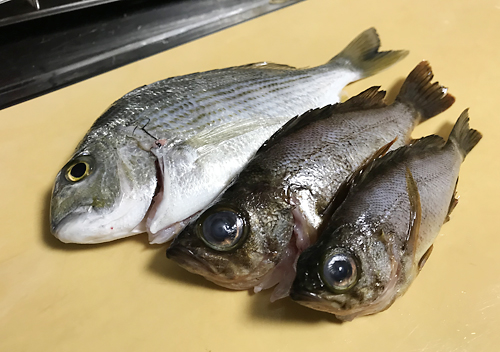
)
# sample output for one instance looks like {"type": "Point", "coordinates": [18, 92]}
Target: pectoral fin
{"type": "Point", "coordinates": [216, 136]}
{"type": "Point", "coordinates": [415, 214]}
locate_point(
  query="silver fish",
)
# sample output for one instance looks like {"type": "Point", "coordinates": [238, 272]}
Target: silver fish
{"type": "Point", "coordinates": [251, 236]}
{"type": "Point", "coordinates": [380, 237]}
{"type": "Point", "coordinates": [201, 129]}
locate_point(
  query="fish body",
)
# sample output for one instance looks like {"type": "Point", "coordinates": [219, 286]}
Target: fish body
{"type": "Point", "coordinates": [185, 124]}
{"type": "Point", "coordinates": [380, 237]}
{"type": "Point", "coordinates": [252, 234]}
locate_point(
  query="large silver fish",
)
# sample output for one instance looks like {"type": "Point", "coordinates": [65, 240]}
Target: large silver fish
{"type": "Point", "coordinates": [201, 129]}
{"type": "Point", "coordinates": [251, 236]}
{"type": "Point", "coordinates": [380, 237]}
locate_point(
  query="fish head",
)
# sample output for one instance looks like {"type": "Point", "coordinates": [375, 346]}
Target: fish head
{"type": "Point", "coordinates": [236, 241]}
{"type": "Point", "coordinates": [351, 272]}
{"type": "Point", "coordinates": [102, 193]}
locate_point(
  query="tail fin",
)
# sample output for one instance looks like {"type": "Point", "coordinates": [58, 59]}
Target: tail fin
{"type": "Point", "coordinates": [362, 53]}
{"type": "Point", "coordinates": [464, 137]}
{"type": "Point", "coordinates": [428, 98]}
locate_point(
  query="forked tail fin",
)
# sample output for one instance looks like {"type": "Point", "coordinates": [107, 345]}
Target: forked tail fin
{"type": "Point", "coordinates": [428, 98]}
{"type": "Point", "coordinates": [464, 137]}
{"type": "Point", "coordinates": [362, 53]}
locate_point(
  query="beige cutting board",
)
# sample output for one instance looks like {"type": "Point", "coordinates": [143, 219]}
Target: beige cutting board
{"type": "Point", "coordinates": [126, 296]}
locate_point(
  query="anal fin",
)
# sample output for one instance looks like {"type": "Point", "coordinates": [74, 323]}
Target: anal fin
{"type": "Point", "coordinates": [453, 203]}
{"type": "Point", "coordinates": [424, 258]}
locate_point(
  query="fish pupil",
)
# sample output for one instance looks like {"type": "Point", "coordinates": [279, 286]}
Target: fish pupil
{"type": "Point", "coordinates": [78, 170]}
{"type": "Point", "coordinates": [341, 270]}
{"type": "Point", "coordinates": [223, 227]}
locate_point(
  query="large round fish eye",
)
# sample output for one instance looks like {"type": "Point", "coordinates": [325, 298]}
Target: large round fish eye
{"type": "Point", "coordinates": [77, 171]}
{"type": "Point", "coordinates": [222, 229]}
{"type": "Point", "coordinates": [339, 272]}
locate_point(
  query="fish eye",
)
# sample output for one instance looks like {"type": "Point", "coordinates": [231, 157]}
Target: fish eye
{"type": "Point", "coordinates": [77, 171]}
{"type": "Point", "coordinates": [222, 229]}
{"type": "Point", "coordinates": [340, 272]}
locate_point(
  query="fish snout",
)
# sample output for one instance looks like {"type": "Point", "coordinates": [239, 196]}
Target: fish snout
{"type": "Point", "coordinates": [187, 259]}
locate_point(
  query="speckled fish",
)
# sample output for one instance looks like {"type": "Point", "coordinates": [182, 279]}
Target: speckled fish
{"type": "Point", "coordinates": [184, 138]}
{"type": "Point", "coordinates": [251, 236]}
{"type": "Point", "coordinates": [380, 237]}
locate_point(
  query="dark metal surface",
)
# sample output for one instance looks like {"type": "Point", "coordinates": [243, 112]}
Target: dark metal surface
{"type": "Point", "coordinates": [42, 55]}
{"type": "Point", "coordinates": [15, 11]}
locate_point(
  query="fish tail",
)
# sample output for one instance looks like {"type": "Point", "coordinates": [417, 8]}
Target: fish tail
{"type": "Point", "coordinates": [363, 55]}
{"type": "Point", "coordinates": [464, 137]}
{"type": "Point", "coordinates": [428, 98]}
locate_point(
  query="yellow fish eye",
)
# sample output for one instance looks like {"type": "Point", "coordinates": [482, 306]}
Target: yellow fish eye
{"type": "Point", "coordinates": [77, 171]}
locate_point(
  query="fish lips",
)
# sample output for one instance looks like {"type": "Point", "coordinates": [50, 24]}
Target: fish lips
{"type": "Point", "coordinates": [66, 229]}
{"type": "Point", "coordinates": [313, 301]}
{"type": "Point", "coordinates": [196, 264]}
{"type": "Point", "coordinates": [303, 296]}
{"type": "Point", "coordinates": [188, 260]}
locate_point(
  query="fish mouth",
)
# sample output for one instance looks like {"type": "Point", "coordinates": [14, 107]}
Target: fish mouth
{"type": "Point", "coordinates": [313, 301]}
{"type": "Point", "coordinates": [59, 227]}
{"type": "Point", "coordinates": [196, 264]}
{"type": "Point", "coordinates": [304, 296]}
{"type": "Point", "coordinates": [188, 260]}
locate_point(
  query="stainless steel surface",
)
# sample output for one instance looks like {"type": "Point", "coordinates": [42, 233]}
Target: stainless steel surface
{"type": "Point", "coordinates": [25, 10]}
{"type": "Point", "coordinates": [42, 55]}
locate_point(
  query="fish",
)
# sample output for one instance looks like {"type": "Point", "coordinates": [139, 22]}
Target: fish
{"type": "Point", "coordinates": [252, 234]}
{"type": "Point", "coordinates": [379, 238]}
{"type": "Point", "coordinates": [162, 152]}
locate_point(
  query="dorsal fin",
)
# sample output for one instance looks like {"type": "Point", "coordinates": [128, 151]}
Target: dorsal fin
{"type": "Point", "coordinates": [372, 98]}
{"type": "Point", "coordinates": [421, 146]}
{"type": "Point", "coordinates": [346, 186]}
{"type": "Point", "coordinates": [266, 65]}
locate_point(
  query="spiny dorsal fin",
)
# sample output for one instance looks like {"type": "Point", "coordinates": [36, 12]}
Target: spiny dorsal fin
{"type": "Point", "coordinates": [266, 65]}
{"type": "Point", "coordinates": [346, 186]}
{"type": "Point", "coordinates": [420, 147]}
{"type": "Point", "coordinates": [464, 137]}
{"type": "Point", "coordinates": [428, 98]}
{"type": "Point", "coordinates": [372, 98]}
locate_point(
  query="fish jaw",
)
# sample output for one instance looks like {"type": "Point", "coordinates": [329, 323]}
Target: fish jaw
{"type": "Point", "coordinates": [220, 272]}
{"type": "Point", "coordinates": [87, 227]}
